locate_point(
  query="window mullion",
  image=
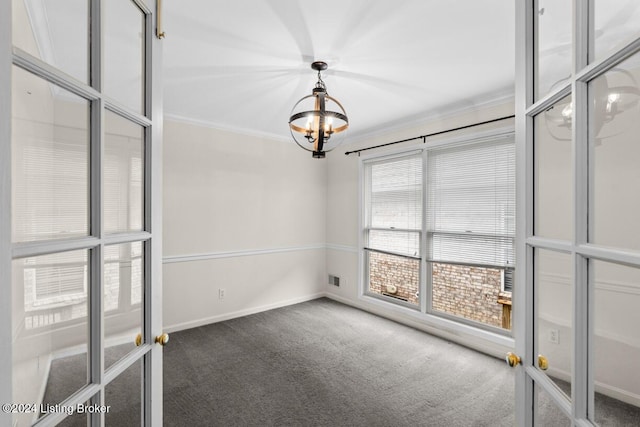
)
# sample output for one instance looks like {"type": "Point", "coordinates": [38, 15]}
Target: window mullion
{"type": "Point", "coordinates": [425, 243]}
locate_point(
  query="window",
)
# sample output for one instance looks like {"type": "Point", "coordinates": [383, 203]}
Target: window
{"type": "Point", "coordinates": [471, 229]}
{"type": "Point", "coordinates": [54, 288]}
{"type": "Point", "coordinates": [471, 206]}
{"type": "Point", "coordinates": [393, 226]}
{"type": "Point", "coordinates": [468, 229]}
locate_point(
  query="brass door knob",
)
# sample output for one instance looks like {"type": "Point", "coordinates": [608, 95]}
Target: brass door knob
{"type": "Point", "coordinates": [138, 340]}
{"type": "Point", "coordinates": [162, 339]}
{"type": "Point", "coordinates": [543, 362]}
{"type": "Point", "coordinates": [513, 359]}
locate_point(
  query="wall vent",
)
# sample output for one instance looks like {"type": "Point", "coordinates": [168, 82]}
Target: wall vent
{"type": "Point", "coordinates": [334, 280]}
{"type": "Point", "coordinates": [507, 279]}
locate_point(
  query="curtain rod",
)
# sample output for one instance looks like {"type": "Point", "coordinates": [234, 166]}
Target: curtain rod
{"type": "Point", "coordinates": [424, 137]}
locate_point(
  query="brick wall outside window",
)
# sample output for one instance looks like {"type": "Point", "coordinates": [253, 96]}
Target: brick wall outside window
{"type": "Point", "coordinates": [469, 292]}
{"type": "Point", "coordinates": [387, 272]}
{"type": "Point", "coordinates": [463, 291]}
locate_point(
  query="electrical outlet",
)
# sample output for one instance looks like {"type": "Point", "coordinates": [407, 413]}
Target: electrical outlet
{"type": "Point", "coordinates": [221, 293]}
{"type": "Point", "coordinates": [554, 336]}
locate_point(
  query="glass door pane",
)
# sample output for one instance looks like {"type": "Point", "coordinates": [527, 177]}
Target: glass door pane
{"type": "Point", "coordinates": [77, 419]}
{"type": "Point", "coordinates": [123, 287]}
{"type": "Point", "coordinates": [123, 175]}
{"type": "Point", "coordinates": [553, 48]}
{"type": "Point", "coordinates": [553, 290]}
{"type": "Point", "coordinates": [50, 156]}
{"type": "Point", "coordinates": [615, 156]}
{"type": "Point", "coordinates": [547, 413]}
{"type": "Point", "coordinates": [123, 397]}
{"type": "Point", "coordinates": [616, 342]}
{"type": "Point", "coordinates": [616, 22]}
{"type": "Point", "coordinates": [50, 341]}
{"type": "Point", "coordinates": [41, 28]}
{"type": "Point", "coordinates": [553, 172]}
{"type": "Point", "coordinates": [124, 31]}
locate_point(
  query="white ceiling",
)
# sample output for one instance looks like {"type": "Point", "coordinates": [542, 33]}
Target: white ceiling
{"type": "Point", "coordinates": [243, 64]}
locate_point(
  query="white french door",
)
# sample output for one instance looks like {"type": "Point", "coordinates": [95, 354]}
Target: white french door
{"type": "Point", "coordinates": [578, 157]}
{"type": "Point", "coordinates": [80, 249]}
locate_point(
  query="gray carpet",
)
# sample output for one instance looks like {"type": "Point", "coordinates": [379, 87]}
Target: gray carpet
{"type": "Point", "coordinates": [322, 363]}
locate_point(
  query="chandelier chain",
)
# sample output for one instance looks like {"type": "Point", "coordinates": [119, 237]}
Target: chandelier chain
{"type": "Point", "coordinates": [320, 83]}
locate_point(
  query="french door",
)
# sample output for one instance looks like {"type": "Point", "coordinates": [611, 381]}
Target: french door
{"type": "Point", "coordinates": [80, 249]}
{"type": "Point", "coordinates": [578, 157]}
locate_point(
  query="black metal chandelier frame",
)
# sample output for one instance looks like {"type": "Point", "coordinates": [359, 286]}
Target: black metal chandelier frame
{"type": "Point", "coordinates": [319, 128]}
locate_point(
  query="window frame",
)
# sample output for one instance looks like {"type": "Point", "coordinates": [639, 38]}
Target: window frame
{"type": "Point", "coordinates": [423, 311]}
{"type": "Point", "coordinates": [367, 228]}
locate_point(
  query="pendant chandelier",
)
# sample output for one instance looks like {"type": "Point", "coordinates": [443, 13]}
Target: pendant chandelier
{"type": "Point", "coordinates": [607, 100]}
{"type": "Point", "coordinates": [316, 119]}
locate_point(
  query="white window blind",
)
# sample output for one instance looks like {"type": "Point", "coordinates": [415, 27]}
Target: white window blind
{"type": "Point", "coordinates": [471, 203]}
{"type": "Point", "coordinates": [50, 158]}
{"type": "Point", "coordinates": [51, 195]}
{"type": "Point", "coordinates": [393, 200]}
{"type": "Point", "coordinates": [123, 175]}
{"type": "Point", "coordinates": [63, 274]}
{"type": "Point", "coordinates": [54, 286]}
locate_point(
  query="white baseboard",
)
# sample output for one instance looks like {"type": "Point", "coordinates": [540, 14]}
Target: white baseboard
{"type": "Point", "coordinates": [606, 389]}
{"type": "Point", "coordinates": [616, 393]}
{"type": "Point", "coordinates": [240, 313]}
{"type": "Point", "coordinates": [491, 344]}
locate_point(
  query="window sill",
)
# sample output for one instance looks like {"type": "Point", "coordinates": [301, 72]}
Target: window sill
{"type": "Point", "coordinates": [492, 343]}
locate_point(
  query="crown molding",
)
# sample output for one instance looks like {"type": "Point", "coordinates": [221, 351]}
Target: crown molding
{"type": "Point", "coordinates": [227, 128]}
{"type": "Point", "coordinates": [385, 128]}
{"type": "Point", "coordinates": [447, 112]}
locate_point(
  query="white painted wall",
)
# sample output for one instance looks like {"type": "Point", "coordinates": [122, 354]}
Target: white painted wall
{"type": "Point", "coordinates": [251, 211]}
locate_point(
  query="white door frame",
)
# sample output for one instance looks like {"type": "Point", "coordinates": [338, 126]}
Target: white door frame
{"type": "Point", "coordinates": [580, 410]}
{"type": "Point", "coordinates": [153, 210]}
{"type": "Point", "coordinates": [149, 352]}
{"type": "Point", "coordinates": [6, 362]}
